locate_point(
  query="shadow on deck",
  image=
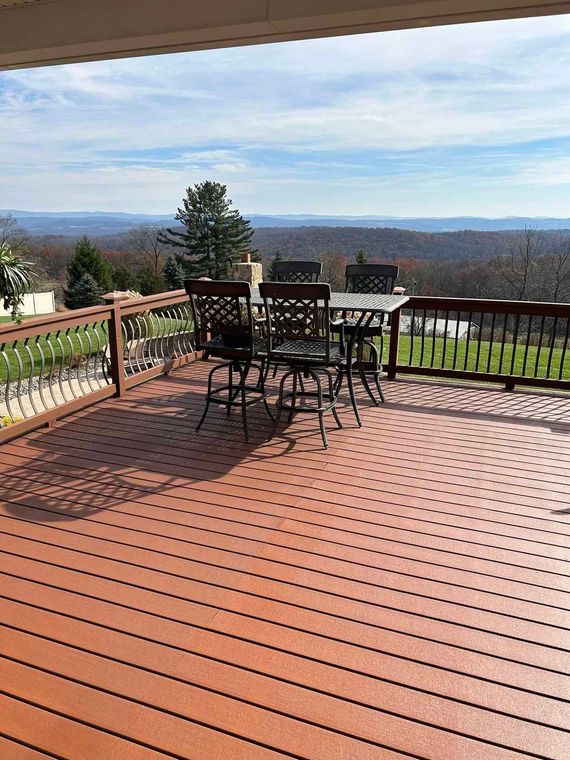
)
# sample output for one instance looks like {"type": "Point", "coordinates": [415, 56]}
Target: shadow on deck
{"type": "Point", "coordinates": [403, 594]}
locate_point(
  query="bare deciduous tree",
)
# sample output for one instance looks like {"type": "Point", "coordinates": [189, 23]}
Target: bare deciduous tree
{"type": "Point", "coordinates": [517, 264]}
{"type": "Point", "coordinates": [11, 234]}
{"type": "Point", "coordinates": [334, 267]}
{"type": "Point", "coordinates": [146, 244]}
{"type": "Point", "coordinates": [559, 270]}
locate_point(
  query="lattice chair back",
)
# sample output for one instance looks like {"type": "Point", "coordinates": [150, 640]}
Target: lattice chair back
{"type": "Point", "coordinates": [297, 271]}
{"type": "Point", "coordinates": [219, 306]}
{"type": "Point", "coordinates": [294, 315]}
{"type": "Point", "coordinates": [371, 278]}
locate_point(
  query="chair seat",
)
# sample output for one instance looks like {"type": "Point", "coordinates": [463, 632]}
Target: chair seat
{"type": "Point", "coordinates": [309, 351]}
{"type": "Point", "coordinates": [216, 347]}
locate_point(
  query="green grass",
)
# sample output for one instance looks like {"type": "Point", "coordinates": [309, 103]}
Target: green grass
{"type": "Point", "coordinates": [493, 362]}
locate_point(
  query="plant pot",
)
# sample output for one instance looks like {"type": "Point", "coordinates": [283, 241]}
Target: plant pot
{"type": "Point", "coordinates": [235, 339]}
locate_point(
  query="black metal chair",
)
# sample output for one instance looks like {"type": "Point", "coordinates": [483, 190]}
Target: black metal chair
{"type": "Point", "coordinates": [226, 329]}
{"type": "Point", "coordinates": [377, 279]}
{"type": "Point", "coordinates": [297, 271]}
{"type": "Point", "coordinates": [300, 337]}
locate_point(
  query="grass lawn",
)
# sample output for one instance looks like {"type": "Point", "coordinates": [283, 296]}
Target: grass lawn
{"type": "Point", "coordinates": [410, 352]}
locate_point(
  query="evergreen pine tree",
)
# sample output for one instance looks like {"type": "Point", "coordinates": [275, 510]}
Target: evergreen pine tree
{"type": "Point", "coordinates": [83, 292]}
{"type": "Point", "coordinates": [123, 278]}
{"type": "Point", "coordinates": [173, 275]}
{"type": "Point", "coordinates": [361, 257]}
{"type": "Point", "coordinates": [214, 235]}
{"type": "Point", "coordinates": [150, 282]}
{"type": "Point", "coordinates": [87, 259]}
{"type": "Point", "coordinates": [271, 271]}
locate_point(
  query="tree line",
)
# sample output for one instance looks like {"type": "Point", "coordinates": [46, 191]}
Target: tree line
{"type": "Point", "coordinates": [527, 265]}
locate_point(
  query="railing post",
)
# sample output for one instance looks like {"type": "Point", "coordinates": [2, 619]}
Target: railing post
{"type": "Point", "coordinates": [116, 344]}
{"type": "Point", "coordinates": [394, 343]}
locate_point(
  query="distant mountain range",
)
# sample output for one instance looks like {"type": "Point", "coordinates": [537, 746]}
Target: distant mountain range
{"type": "Point", "coordinates": [101, 223]}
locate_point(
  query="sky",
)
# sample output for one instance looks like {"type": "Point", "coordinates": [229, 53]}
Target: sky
{"type": "Point", "coordinates": [461, 120]}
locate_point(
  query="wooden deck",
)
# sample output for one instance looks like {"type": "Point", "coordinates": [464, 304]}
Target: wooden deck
{"type": "Point", "coordinates": [403, 594]}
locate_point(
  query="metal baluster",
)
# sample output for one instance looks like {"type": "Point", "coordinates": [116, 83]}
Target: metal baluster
{"type": "Point", "coordinates": [80, 359]}
{"type": "Point", "coordinates": [539, 348]}
{"type": "Point", "coordinates": [101, 356]}
{"type": "Point", "coordinates": [423, 338]}
{"type": "Point", "coordinates": [526, 345]}
{"type": "Point", "coordinates": [552, 344]}
{"type": "Point", "coordinates": [61, 365]}
{"type": "Point", "coordinates": [503, 341]}
{"type": "Point", "coordinates": [445, 326]}
{"type": "Point", "coordinates": [456, 340]}
{"type": "Point", "coordinates": [515, 339]}
{"type": "Point", "coordinates": [8, 381]}
{"type": "Point", "coordinates": [433, 340]}
{"type": "Point", "coordinates": [412, 323]}
{"type": "Point", "coordinates": [70, 363]}
{"type": "Point", "coordinates": [144, 342]}
{"type": "Point", "coordinates": [491, 338]}
{"type": "Point", "coordinates": [31, 376]}
{"type": "Point", "coordinates": [90, 356]}
{"type": "Point", "coordinates": [178, 341]}
{"type": "Point", "coordinates": [51, 368]}
{"type": "Point", "coordinates": [42, 371]}
{"type": "Point", "coordinates": [564, 347]}
{"type": "Point", "coordinates": [480, 337]}
{"type": "Point", "coordinates": [469, 321]}
{"type": "Point", "coordinates": [19, 379]}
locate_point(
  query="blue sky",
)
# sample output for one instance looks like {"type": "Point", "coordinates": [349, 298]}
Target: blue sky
{"type": "Point", "coordinates": [471, 119]}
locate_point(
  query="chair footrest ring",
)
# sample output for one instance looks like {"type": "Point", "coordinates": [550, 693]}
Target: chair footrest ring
{"type": "Point", "coordinates": [311, 409]}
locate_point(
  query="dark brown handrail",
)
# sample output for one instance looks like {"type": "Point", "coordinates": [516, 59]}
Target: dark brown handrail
{"type": "Point", "coordinates": [489, 306]}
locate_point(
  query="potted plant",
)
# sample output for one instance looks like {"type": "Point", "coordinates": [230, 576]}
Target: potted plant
{"type": "Point", "coordinates": [16, 279]}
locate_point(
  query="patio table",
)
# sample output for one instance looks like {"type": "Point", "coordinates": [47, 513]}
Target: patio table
{"type": "Point", "coordinates": [365, 305]}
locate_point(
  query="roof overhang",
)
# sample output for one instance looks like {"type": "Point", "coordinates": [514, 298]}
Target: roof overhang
{"type": "Point", "coordinates": [42, 32]}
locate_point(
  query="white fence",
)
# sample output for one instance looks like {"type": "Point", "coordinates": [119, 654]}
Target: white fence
{"type": "Point", "coordinates": [35, 303]}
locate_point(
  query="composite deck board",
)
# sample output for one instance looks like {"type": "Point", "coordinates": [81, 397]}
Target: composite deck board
{"type": "Point", "coordinates": [403, 594]}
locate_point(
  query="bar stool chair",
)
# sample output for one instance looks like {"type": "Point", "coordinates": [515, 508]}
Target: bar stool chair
{"type": "Point", "coordinates": [376, 279]}
{"type": "Point", "coordinates": [300, 338]}
{"type": "Point", "coordinates": [225, 328]}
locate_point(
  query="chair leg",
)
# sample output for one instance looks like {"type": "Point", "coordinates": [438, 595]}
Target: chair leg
{"type": "Point", "coordinates": [352, 394]}
{"type": "Point", "coordinates": [262, 369]}
{"type": "Point", "coordinates": [242, 380]}
{"type": "Point", "coordinates": [279, 403]}
{"type": "Point", "coordinates": [293, 396]}
{"type": "Point", "coordinates": [332, 394]}
{"type": "Point", "coordinates": [379, 387]}
{"type": "Point", "coordinates": [230, 389]}
{"type": "Point", "coordinates": [208, 394]}
{"type": "Point", "coordinates": [317, 380]}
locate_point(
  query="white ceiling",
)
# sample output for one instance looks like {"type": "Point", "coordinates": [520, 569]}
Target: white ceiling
{"type": "Point", "coordinates": [40, 32]}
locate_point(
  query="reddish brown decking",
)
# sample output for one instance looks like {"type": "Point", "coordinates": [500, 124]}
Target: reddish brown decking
{"type": "Point", "coordinates": [167, 594]}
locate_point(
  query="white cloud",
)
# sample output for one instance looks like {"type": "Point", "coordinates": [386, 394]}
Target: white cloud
{"type": "Point", "coordinates": [291, 126]}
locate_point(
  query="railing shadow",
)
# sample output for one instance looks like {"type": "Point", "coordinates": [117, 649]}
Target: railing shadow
{"type": "Point", "coordinates": [522, 407]}
{"type": "Point", "coordinates": [121, 455]}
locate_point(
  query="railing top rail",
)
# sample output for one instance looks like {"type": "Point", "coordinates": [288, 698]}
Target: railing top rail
{"type": "Point", "coordinates": [489, 306]}
{"type": "Point", "coordinates": [53, 322]}
{"type": "Point", "coordinates": [66, 319]}
{"type": "Point", "coordinates": [153, 302]}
